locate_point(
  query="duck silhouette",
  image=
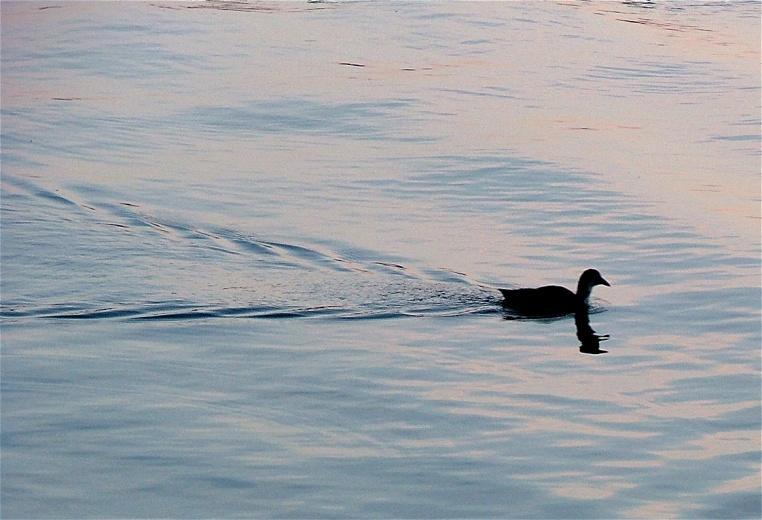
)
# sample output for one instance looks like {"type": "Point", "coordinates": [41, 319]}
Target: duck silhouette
{"type": "Point", "coordinates": [553, 300]}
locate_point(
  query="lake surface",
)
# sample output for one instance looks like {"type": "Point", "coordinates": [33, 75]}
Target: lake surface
{"type": "Point", "coordinates": [250, 252]}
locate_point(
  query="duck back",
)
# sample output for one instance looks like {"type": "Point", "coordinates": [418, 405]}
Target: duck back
{"type": "Point", "coordinates": [550, 300]}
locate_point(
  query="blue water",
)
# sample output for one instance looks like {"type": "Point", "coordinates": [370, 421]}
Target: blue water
{"type": "Point", "coordinates": [250, 254]}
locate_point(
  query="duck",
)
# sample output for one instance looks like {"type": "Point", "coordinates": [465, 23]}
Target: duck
{"type": "Point", "coordinates": [553, 300]}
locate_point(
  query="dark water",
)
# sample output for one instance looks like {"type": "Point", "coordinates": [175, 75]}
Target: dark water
{"type": "Point", "coordinates": [250, 251]}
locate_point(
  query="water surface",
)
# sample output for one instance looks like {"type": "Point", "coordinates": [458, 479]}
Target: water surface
{"type": "Point", "coordinates": [250, 251]}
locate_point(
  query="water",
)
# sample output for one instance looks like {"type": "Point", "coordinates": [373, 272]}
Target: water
{"type": "Point", "coordinates": [249, 254]}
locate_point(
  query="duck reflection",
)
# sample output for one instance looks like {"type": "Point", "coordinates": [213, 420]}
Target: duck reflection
{"type": "Point", "coordinates": [590, 340]}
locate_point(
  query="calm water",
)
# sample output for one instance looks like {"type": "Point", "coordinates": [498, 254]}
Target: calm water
{"type": "Point", "coordinates": [249, 254]}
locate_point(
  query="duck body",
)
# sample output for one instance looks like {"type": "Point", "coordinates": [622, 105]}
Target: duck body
{"type": "Point", "coordinates": [553, 300]}
{"type": "Point", "coordinates": [550, 300]}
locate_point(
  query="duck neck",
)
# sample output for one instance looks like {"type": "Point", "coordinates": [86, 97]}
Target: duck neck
{"type": "Point", "coordinates": [583, 291]}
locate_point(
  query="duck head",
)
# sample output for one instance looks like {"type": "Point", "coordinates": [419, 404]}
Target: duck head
{"type": "Point", "coordinates": [589, 279]}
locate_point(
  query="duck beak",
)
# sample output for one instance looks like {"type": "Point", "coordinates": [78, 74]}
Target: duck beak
{"type": "Point", "coordinates": [604, 282]}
